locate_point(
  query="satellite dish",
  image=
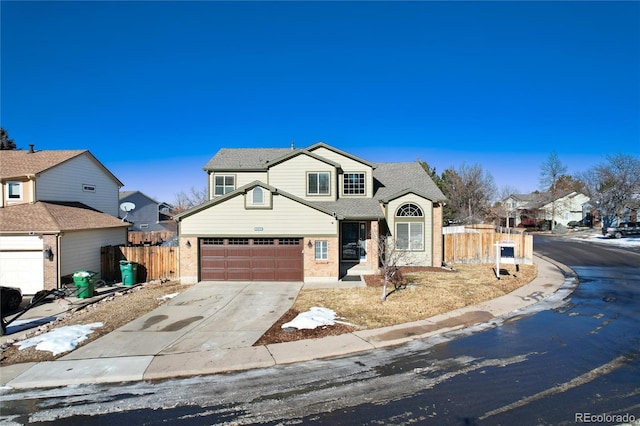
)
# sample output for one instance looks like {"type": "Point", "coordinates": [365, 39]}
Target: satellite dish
{"type": "Point", "coordinates": [127, 206]}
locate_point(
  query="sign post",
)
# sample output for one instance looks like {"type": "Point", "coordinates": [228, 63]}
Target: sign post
{"type": "Point", "coordinates": [505, 253]}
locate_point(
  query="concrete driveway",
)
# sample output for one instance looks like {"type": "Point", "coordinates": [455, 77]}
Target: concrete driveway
{"type": "Point", "coordinates": [207, 316]}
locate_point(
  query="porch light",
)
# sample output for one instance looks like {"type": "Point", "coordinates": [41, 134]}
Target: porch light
{"type": "Point", "coordinates": [47, 253]}
{"type": "Point", "coordinates": [188, 244]}
{"type": "Point", "coordinates": [310, 244]}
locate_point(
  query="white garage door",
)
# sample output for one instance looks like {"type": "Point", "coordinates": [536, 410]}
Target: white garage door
{"type": "Point", "coordinates": [21, 263]}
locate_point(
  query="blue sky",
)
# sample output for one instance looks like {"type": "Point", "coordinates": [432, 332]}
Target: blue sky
{"type": "Point", "coordinates": [154, 89]}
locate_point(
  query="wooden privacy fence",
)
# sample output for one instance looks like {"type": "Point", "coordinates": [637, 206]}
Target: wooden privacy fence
{"type": "Point", "coordinates": [154, 262]}
{"type": "Point", "coordinates": [480, 247]}
{"type": "Point", "coordinates": [139, 238]}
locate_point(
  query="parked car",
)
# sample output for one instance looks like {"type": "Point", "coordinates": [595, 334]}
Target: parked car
{"type": "Point", "coordinates": [11, 298]}
{"type": "Point", "coordinates": [624, 230]}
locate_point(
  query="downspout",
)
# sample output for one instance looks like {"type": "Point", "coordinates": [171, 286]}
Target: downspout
{"type": "Point", "coordinates": [58, 261]}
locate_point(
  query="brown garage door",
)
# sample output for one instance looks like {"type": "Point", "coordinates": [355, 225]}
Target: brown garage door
{"type": "Point", "coordinates": [251, 259]}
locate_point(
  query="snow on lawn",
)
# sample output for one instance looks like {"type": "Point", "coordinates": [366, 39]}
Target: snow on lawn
{"type": "Point", "coordinates": [311, 319]}
{"type": "Point", "coordinates": [168, 296]}
{"type": "Point", "coordinates": [619, 242]}
{"type": "Point", "coordinates": [61, 339]}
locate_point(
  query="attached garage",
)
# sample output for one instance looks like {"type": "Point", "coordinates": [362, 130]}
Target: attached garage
{"type": "Point", "coordinates": [21, 262]}
{"type": "Point", "coordinates": [251, 259]}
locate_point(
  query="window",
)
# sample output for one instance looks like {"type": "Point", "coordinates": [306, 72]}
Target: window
{"type": "Point", "coordinates": [409, 210]}
{"type": "Point", "coordinates": [409, 236]}
{"type": "Point", "coordinates": [318, 183]}
{"type": "Point", "coordinates": [14, 190]}
{"type": "Point", "coordinates": [258, 196]}
{"type": "Point", "coordinates": [322, 250]}
{"type": "Point", "coordinates": [353, 183]}
{"type": "Point", "coordinates": [223, 184]}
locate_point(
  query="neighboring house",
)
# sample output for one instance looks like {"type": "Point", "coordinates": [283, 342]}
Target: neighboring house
{"type": "Point", "coordinates": [568, 208]}
{"type": "Point", "coordinates": [530, 209]}
{"type": "Point", "coordinates": [147, 215]}
{"type": "Point", "coordinates": [311, 214]}
{"type": "Point", "coordinates": [58, 207]}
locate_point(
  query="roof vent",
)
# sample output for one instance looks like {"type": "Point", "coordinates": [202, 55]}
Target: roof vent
{"type": "Point", "coordinates": [293, 145]}
{"type": "Point", "coordinates": [31, 151]}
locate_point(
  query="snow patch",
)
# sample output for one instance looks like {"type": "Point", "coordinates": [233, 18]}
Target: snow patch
{"type": "Point", "coordinates": [313, 318]}
{"type": "Point", "coordinates": [168, 296]}
{"type": "Point", "coordinates": [60, 340]}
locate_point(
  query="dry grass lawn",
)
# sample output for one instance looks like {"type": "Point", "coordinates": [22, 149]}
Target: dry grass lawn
{"type": "Point", "coordinates": [427, 293]}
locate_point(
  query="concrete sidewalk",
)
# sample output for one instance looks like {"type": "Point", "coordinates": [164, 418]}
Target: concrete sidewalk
{"type": "Point", "coordinates": [202, 332]}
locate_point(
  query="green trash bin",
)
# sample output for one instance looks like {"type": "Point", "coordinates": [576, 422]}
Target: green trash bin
{"type": "Point", "coordinates": [129, 271]}
{"type": "Point", "coordinates": [85, 283]}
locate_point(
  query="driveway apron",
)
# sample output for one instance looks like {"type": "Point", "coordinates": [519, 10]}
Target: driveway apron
{"type": "Point", "coordinates": [208, 316]}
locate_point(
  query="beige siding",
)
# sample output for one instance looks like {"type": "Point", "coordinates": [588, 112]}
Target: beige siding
{"type": "Point", "coordinates": [291, 176]}
{"type": "Point", "coordinates": [65, 183]}
{"type": "Point", "coordinates": [28, 193]}
{"type": "Point", "coordinates": [416, 258]}
{"type": "Point", "coordinates": [242, 178]}
{"type": "Point", "coordinates": [348, 166]}
{"type": "Point", "coordinates": [80, 250]}
{"type": "Point", "coordinates": [231, 218]}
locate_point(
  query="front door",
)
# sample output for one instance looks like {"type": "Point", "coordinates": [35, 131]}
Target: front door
{"type": "Point", "coordinates": [354, 241]}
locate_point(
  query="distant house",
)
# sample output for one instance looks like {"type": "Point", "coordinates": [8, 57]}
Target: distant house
{"type": "Point", "coordinates": [145, 213]}
{"type": "Point", "coordinates": [58, 207]}
{"type": "Point", "coordinates": [528, 210]}
{"type": "Point", "coordinates": [313, 214]}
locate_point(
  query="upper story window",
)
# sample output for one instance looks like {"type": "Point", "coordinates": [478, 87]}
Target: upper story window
{"type": "Point", "coordinates": [223, 184]}
{"type": "Point", "coordinates": [409, 210]}
{"type": "Point", "coordinates": [318, 183]}
{"type": "Point", "coordinates": [14, 190]}
{"type": "Point", "coordinates": [354, 183]}
{"type": "Point", "coordinates": [257, 196]}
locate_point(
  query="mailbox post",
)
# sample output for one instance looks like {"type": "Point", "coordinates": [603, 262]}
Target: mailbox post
{"type": "Point", "coordinates": [505, 253]}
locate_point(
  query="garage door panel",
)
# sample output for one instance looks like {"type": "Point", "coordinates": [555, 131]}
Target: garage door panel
{"type": "Point", "coordinates": [254, 260]}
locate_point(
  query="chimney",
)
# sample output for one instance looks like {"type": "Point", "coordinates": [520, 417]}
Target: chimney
{"type": "Point", "coordinates": [31, 151]}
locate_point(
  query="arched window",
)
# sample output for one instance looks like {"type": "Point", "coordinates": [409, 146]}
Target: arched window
{"type": "Point", "coordinates": [258, 195]}
{"type": "Point", "coordinates": [409, 210]}
{"type": "Point", "coordinates": [410, 232]}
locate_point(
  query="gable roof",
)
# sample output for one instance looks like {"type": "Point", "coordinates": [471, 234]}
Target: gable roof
{"type": "Point", "coordinates": [296, 152]}
{"type": "Point", "coordinates": [396, 179]}
{"type": "Point", "coordinates": [19, 163]}
{"type": "Point", "coordinates": [338, 151]}
{"type": "Point", "coordinates": [243, 190]}
{"type": "Point", "coordinates": [55, 216]}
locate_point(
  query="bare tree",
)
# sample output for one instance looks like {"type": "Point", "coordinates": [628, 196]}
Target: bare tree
{"type": "Point", "coordinates": [391, 258]}
{"type": "Point", "coordinates": [470, 191]}
{"type": "Point", "coordinates": [186, 200]}
{"type": "Point", "coordinates": [614, 186]}
{"type": "Point", "coordinates": [550, 172]}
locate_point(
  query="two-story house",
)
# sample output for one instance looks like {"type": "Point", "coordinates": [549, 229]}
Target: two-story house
{"type": "Point", "coordinates": [311, 214]}
{"type": "Point", "coordinates": [530, 209]}
{"type": "Point", "coordinates": [57, 208]}
{"type": "Point", "coordinates": [145, 213]}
